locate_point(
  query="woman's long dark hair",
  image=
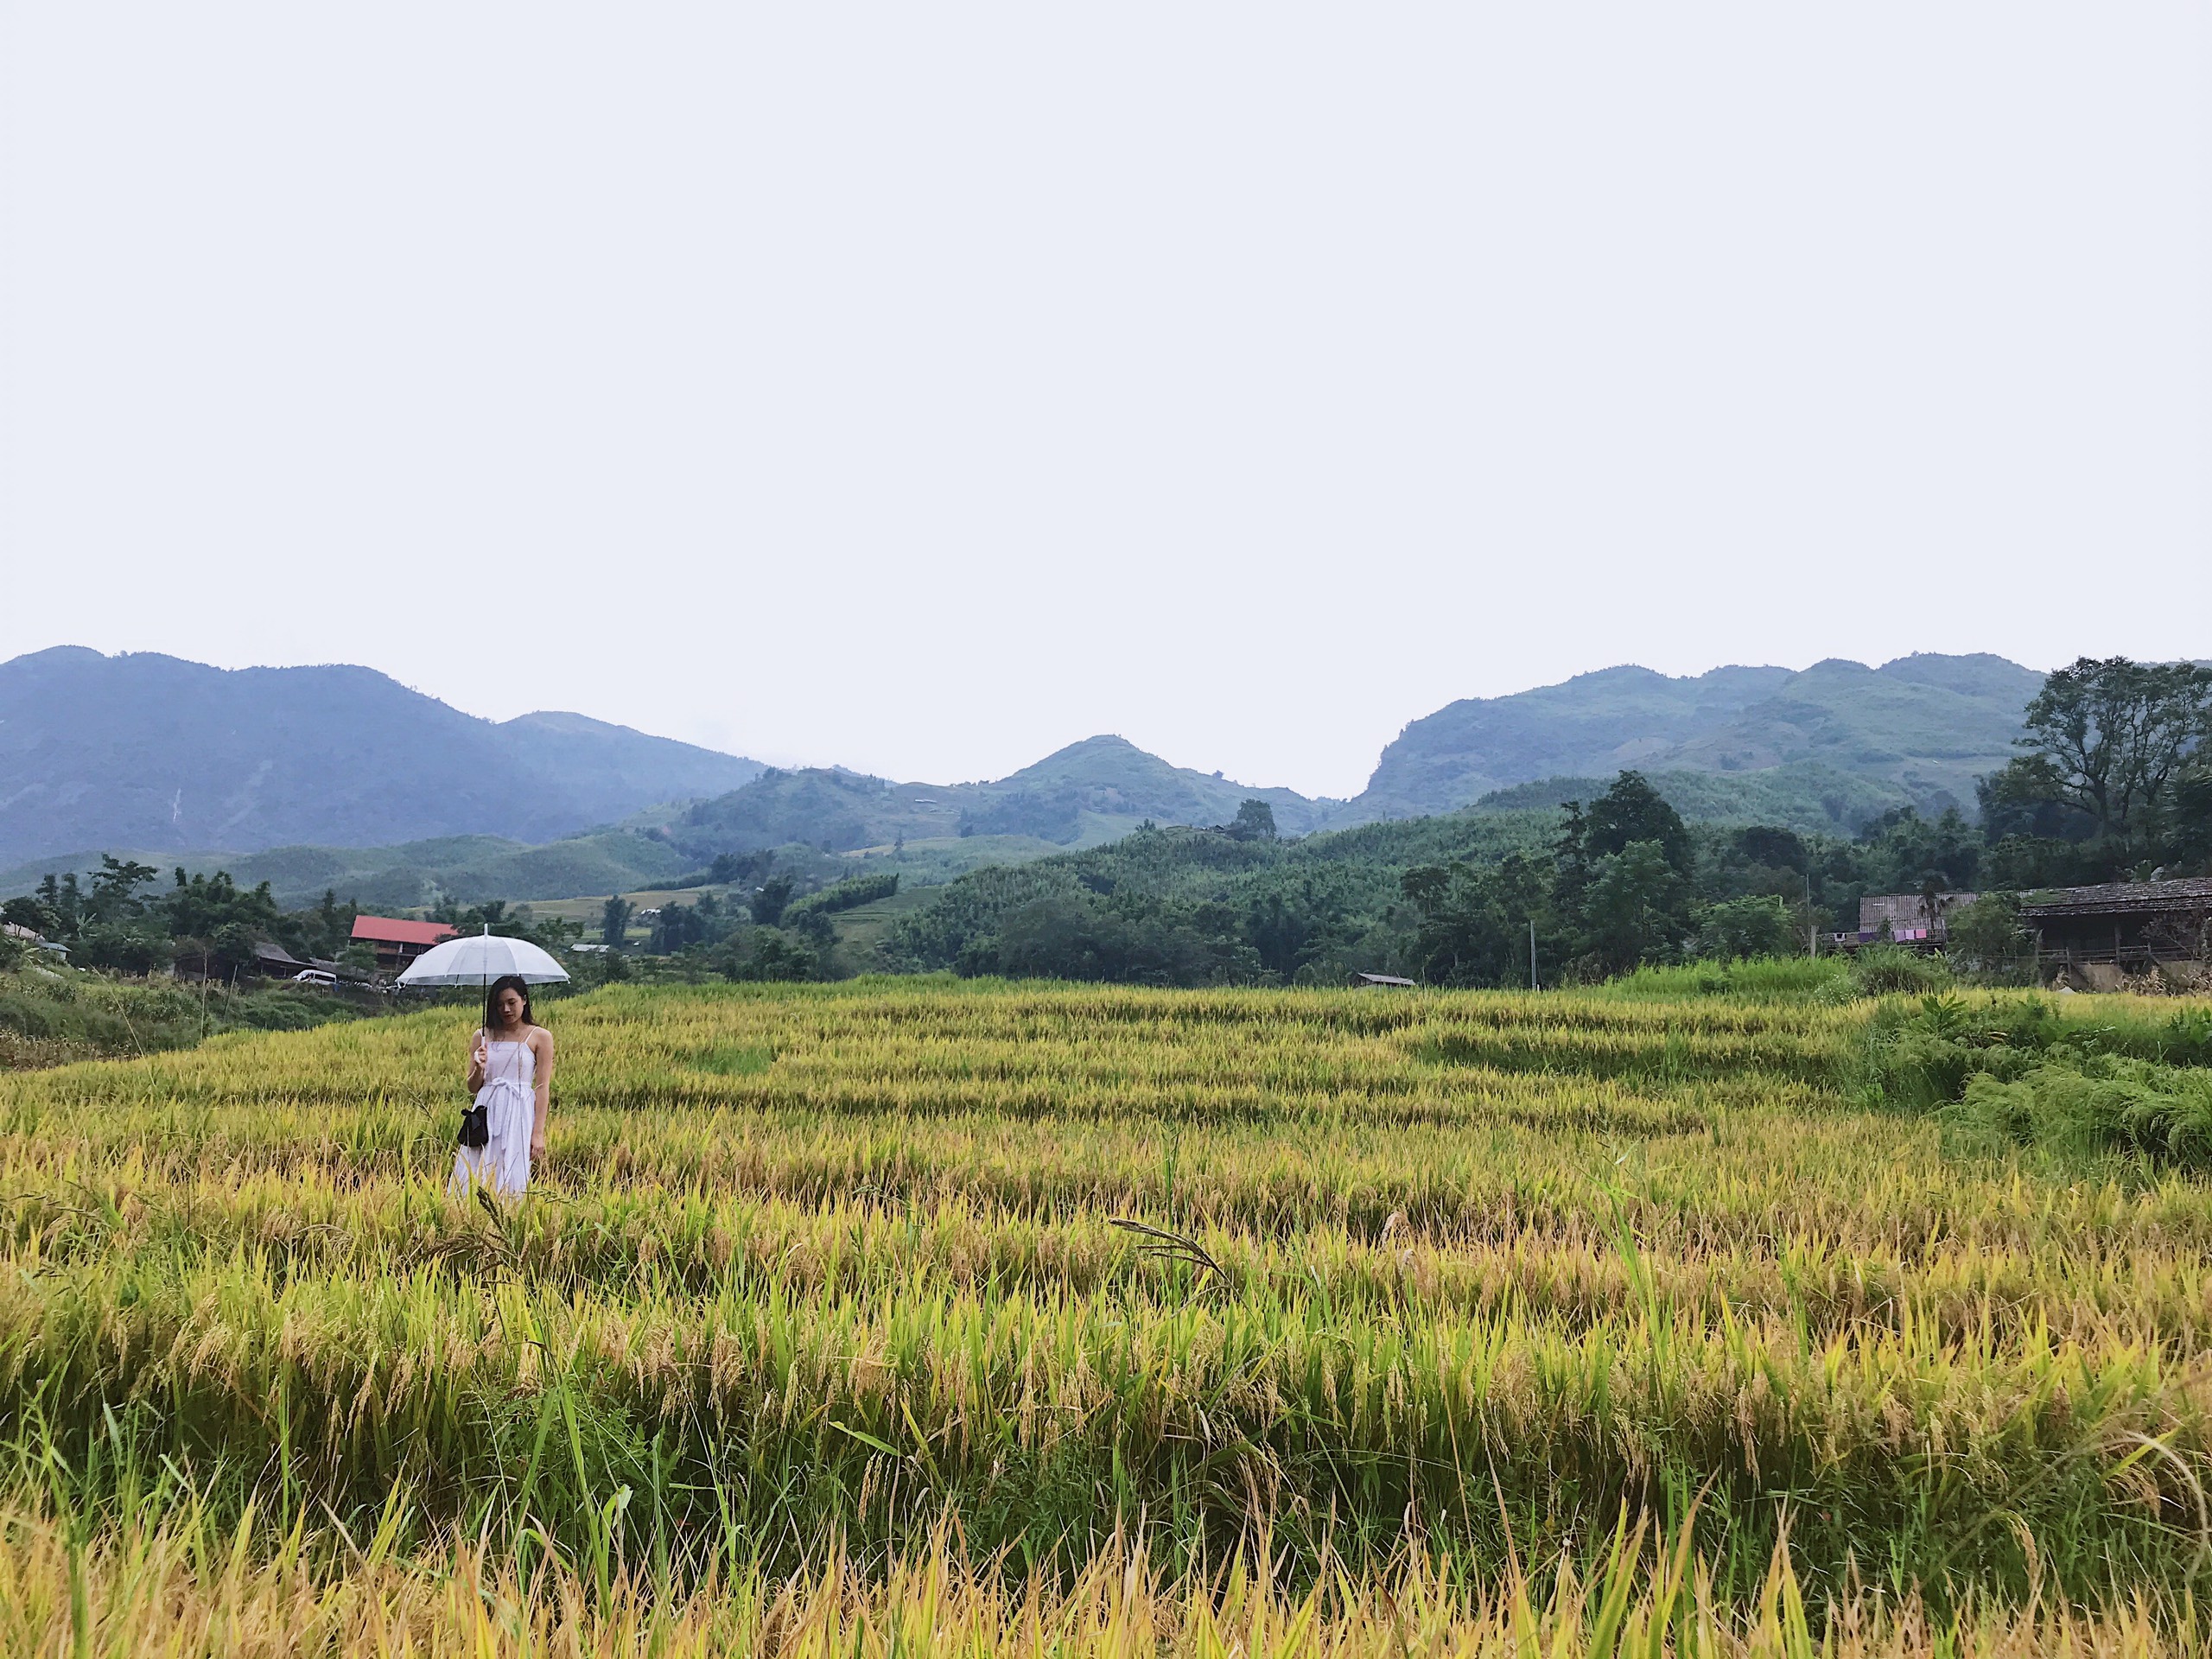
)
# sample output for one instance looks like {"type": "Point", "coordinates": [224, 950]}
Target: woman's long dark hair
{"type": "Point", "coordinates": [500, 986]}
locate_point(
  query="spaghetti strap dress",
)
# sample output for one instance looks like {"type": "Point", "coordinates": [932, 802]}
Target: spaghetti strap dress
{"type": "Point", "coordinates": [509, 1098]}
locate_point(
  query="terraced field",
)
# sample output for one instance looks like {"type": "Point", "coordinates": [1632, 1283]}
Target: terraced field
{"type": "Point", "coordinates": [1004, 1316]}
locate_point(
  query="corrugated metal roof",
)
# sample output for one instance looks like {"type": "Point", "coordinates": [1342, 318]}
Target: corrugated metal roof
{"type": "Point", "coordinates": [393, 930]}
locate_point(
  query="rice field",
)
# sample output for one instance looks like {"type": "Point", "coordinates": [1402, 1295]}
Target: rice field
{"type": "Point", "coordinates": [1093, 1320]}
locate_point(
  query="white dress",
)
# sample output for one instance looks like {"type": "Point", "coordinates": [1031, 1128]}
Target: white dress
{"type": "Point", "coordinates": [509, 1098]}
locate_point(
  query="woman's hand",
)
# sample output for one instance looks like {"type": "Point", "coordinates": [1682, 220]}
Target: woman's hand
{"type": "Point", "coordinates": [536, 1145]}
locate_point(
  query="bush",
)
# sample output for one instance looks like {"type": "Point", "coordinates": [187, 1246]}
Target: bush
{"type": "Point", "coordinates": [2019, 1066]}
{"type": "Point", "coordinates": [1755, 926]}
{"type": "Point", "coordinates": [2163, 1114]}
{"type": "Point", "coordinates": [1988, 942]}
{"type": "Point", "coordinates": [1890, 970]}
{"type": "Point", "coordinates": [767, 954]}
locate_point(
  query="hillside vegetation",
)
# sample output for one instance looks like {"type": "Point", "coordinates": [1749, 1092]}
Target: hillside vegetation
{"type": "Point", "coordinates": [1921, 729]}
{"type": "Point", "coordinates": [1087, 793]}
{"type": "Point", "coordinates": [1449, 900]}
{"type": "Point", "coordinates": [926, 1299]}
{"type": "Point", "coordinates": [54, 1015]}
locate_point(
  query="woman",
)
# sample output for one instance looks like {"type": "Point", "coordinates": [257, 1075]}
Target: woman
{"type": "Point", "coordinates": [511, 1070]}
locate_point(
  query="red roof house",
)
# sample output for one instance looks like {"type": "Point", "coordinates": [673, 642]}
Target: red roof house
{"type": "Point", "coordinates": [397, 941]}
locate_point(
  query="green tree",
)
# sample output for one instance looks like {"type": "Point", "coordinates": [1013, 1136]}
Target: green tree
{"type": "Point", "coordinates": [764, 953]}
{"type": "Point", "coordinates": [770, 900]}
{"type": "Point", "coordinates": [2107, 738]}
{"type": "Point", "coordinates": [1474, 925]}
{"type": "Point", "coordinates": [615, 922]}
{"type": "Point", "coordinates": [1636, 909]}
{"type": "Point", "coordinates": [1986, 937]}
{"type": "Point", "coordinates": [1631, 811]}
{"type": "Point", "coordinates": [201, 907]}
{"type": "Point", "coordinates": [115, 888]}
{"type": "Point", "coordinates": [1254, 821]}
{"type": "Point", "coordinates": [1755, 925]}
{"type": "Point", "coordinates": [2189, 834]}
{"type": "Point", "coordinates": [63, 903]}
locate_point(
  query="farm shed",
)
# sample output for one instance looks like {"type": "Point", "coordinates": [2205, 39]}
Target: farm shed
{"type": "Point", "coordinates": [2129, 923]}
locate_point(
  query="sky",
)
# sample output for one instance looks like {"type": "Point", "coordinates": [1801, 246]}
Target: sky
{"type": "Point", "coordinates": [919, 388]}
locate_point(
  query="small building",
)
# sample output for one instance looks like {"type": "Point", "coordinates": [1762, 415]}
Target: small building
{"type": "Point", "coordinates": [2128, 924]}
{"type": "Point", "coordinates": [1909, 917]}
{"type": "Point", "coordinates": [397, 941]}
{"type": "Point", "coordinates": [34, 938]}
{"type": "Point", "coordinates": [2132, 925]}
{"type": "Point", "coordinates": [275, 961]}
{"type": "Point", "coordinates": [1387, 980]}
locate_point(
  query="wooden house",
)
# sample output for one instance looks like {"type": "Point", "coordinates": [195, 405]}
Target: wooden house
{"type": "Point", "coordinates": [397, 941]}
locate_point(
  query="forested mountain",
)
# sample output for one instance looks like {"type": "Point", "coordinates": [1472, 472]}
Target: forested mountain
{"type": "Point", "coordinates": [1085, 794]}
{"type": "Point", "coordinates": [152, 753]}
{"type": "Point", "coordinates": [163, 756]}
{"type": "Point", "coordinates": [1918, 730]}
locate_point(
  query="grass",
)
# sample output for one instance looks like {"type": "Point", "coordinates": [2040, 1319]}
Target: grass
{"type": "Point", "coordinates": [822, 1293]}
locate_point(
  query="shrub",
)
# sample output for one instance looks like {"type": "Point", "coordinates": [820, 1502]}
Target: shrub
{"type": "Point", "coordinates": [1753, 926]}
{"type": "Point", "coordinates": [1988, 941]}
{"type": "Point", "coordinates": [2163, 1114]}
{"type": "Point", "coordinates": [1889, 970]}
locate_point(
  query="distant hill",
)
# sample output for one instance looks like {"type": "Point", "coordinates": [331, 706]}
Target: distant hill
{"type": "Point", "coordinates": [1081, 795]}
{"type": "Point", "coordinates": [171, 759]}
{"type": "Point", "coordinates": [1919, 729]}
{"type": "Point", "coordinates": [154, 753]}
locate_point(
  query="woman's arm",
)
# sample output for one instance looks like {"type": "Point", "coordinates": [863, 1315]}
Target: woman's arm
{"type": "Point", "coordinates": [476, 1059]}
{"type": "Point", "coordinates": [541, 1041]}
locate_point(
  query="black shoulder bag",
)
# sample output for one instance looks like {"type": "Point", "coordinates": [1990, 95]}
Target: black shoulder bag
{"type": "Point", "coordinates": [475, 1120]}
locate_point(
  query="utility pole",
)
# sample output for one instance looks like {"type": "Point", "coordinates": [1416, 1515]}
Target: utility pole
{"type": "Point", "coordinates": [1532, 953]}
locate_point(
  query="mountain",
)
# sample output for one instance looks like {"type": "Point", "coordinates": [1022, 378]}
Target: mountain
{"type": "Point", "coordinates": [166, 758]}
{"type": "Point", "coordinates": [1086, 793]}
{"type": "Point", "coordinates": [155, 753]}
{"type": "Point", "coordinates": [1917, 730]}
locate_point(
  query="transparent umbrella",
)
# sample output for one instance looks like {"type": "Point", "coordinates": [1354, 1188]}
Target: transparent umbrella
{"type": "Point", "coordinates": [480, 959]}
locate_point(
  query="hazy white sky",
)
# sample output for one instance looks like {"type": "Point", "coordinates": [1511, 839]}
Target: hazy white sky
{"type": "Point", "coordinates": [921, 388]}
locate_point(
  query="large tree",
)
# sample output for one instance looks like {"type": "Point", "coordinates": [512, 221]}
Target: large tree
{"type": "Point", "coordinates": [2107, 739]}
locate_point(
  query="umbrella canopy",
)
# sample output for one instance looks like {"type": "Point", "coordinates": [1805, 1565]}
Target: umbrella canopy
{"type": "Point", "coordinates": [480, 960]}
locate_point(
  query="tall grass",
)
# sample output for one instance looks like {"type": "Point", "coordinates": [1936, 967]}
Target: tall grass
{"type": "Point", "coordinates": [812, 1271]}
{"type": "Point", "coordinates": [185, 1588]}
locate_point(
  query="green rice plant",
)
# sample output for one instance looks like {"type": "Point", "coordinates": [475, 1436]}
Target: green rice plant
{"type": "Point", "coordinates": [1766, 979]}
